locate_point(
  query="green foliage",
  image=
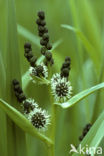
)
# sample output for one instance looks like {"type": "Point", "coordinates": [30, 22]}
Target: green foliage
{"type": "Point", "coordinates": [84, 46]}
{"type": "Point", "coordinates": [95, 135]}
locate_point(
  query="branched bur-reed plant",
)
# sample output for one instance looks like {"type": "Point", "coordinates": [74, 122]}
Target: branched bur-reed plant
{"type": "Point", "coordinates": [60, 88]}
{"type": "Point", "coordinates": [36, 120]}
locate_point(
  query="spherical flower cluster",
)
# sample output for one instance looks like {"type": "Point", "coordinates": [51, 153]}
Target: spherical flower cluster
{"type": "Point", "coordinates": [29, 105]}
{"type": "Point", "coordinates": [39, 118]}
{"type": "Point", "coordinates": [61, 88]}
{"type": "Point", "coordinates": [40, 71]}
{"type": "Point", "coordinates": [55, 78]}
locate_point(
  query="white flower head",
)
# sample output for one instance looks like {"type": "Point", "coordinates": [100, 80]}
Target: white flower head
{"type": "Point", "coordinates": [39, 71]}
{"type": "Point", "coordinates": [55, 78]}
{"type": "Point", "coordinates": [39, 119]}
{"type": "Point", "coordinates": [29, 105]}
{"type": "Point", "coordinates": [61, 90]}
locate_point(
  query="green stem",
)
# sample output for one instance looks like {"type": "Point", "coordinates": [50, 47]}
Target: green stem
{"type": "Point", "coordinates": [45, 139]}
{"type": "Point", "coordinates": [51, 150]}
{"type": "Point", "coordinates": [53, 122]}
{"type": "Point", "coordinates": [53, 130]}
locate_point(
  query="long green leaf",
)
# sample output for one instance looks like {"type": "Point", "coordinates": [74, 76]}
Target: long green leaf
{"type": "Point", "coordinates": [3, 130]}
{"type": "Point", "coordinates": [95, 135]}
{"type": "Point", "coordinates": [22, 122]}
{"type": "Point", "coordinates": [80, 96]}
{"type": "Point", "coordinates": [88, 46]}
{"type": "Point", "coordinates": [91, 23]}
{"type": "Point", "coordinates": [28, 35]}
{"type": "Point", "coordinates": [97, 107]}
{"type": "Point", "coordinates": [14, 134]}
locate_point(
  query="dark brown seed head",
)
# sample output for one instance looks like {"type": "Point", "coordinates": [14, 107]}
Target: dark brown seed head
{"type": "Point", "coordinates": [28, 106]}
{"type": "Point", "coordinates": [43, 50]}
{"type": "Point", "coordinates": [65, 72]}
{"type": "Point", "coordinates": [16, 87]}
{"type": "Point", "coordinates": [33, 59]}
{"type": "Point", "coordinates": [41, 34]}
{"type": "Point", "coordinates": [48, 55]}
{"type": "Point", "coordinates": [43, 23]}
{"type": "Point", "coordinates": [45, 30]}
{"type": "Point", "coordinates": [43, 42]}
{"type": "Point", "coordinates": [46, 37]}
{"type": "Point", "coordinates": [27, 45]}
{"type": "Point", "coordinates": [40, 22]}
{"type": "Point", "coordinates": [41, 29]}
{"type": "Point", "coordinates": [80, 138]}
{"type": "Point", "coordinates": [65, 65]}
{"type": "Point", "coordinates": [17, 94]}
{"type": "Point", "coordinates": [39, 69]}
{"type": "Point", "coordinates": [30, 55]}
{"type": "Point", "coordinates": [26, 55]}
{"type": "Point", "coordinates": [15, 82]}
{"type": "Point", "coordinates": [52, 61]}
{"type": "Point", "coordinates": [49, 46]}
{"type": "Point", "coordinates": [27, 50]}
{"type": "Point", "coordinates": [88, 126]}
{"type": "Point", "coordinates": [67, 58]}
{"type": "Point", "coordinates": [41, 14]}
{"type": "Point", "coordinates": [21, 97]}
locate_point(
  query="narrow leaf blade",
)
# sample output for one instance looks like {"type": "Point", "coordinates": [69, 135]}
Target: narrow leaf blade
{"type": "Point", "coordinates": [80, 96]}
{"type": "Point", "coordinates": [88, 46]}
{"type": "Point", "coordinates": [28, 35]}
{"type": "Point", "coordinates": [22, 122]}
{"type": "Point", "coordinates": [95, 135]}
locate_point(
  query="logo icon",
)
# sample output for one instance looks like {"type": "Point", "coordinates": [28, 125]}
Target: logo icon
{"type": "Point", "coordinates": [85, 150]}
{"type": "Point", "coordinates": [73, 149]}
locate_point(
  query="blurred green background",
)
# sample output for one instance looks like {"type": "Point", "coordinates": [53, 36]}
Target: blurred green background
{"type": "Point", "coordinates": [87, 16]}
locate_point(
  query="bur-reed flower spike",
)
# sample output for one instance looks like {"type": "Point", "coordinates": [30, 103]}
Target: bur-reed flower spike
{"type": "Point", "coordinates": [66, 67]}
{"type": "Point", "coordinates": [39, 118]}
{"type": "Point", "coordinates": [55, 78]}
{"type": "Point", "coordinates": [18, 91]}
{"type": "Point", "coordinates": [45, 43]}
{"type": "Point", "coordinates": [29, 55]}
{"type": "Point", "coordinates": [40, 71]}
{"type": "Point", "coordinates": [61, 89]}
{"type": "Point", "coordinates": [29, 105]}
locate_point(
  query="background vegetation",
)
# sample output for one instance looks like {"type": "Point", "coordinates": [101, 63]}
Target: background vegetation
{"type": "Point", "coordinates": [83, 42]}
